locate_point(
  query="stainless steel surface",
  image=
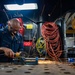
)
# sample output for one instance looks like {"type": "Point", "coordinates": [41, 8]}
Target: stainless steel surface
{"type": "Point", "coordinates": [44, 68]}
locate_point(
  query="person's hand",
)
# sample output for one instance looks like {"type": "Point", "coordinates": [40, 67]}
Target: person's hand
{"type": "Point", "coordinates": [8, 52]}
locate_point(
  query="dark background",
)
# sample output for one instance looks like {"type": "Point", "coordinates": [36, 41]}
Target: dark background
{"type": "Point", "coordinates": [49, 10]}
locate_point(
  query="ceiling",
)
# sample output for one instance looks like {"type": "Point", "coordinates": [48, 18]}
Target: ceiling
{"type": "Point", "coordinates": [48, 10]}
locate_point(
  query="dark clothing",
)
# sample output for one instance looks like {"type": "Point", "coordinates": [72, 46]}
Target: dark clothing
{"type": "Point", "coordinates": [6, 40]}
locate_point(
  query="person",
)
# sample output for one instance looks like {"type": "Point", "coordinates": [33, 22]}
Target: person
{"type": "Point", "coordinates": [8, 52]}
{"type": "Point", "coordinates": [11, 39]}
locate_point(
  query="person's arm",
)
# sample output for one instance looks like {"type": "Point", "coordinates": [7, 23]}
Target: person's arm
{"type": "Point", "coordinates": [21, 46]}
{"type": "Point", "coordinates": [8, 52]}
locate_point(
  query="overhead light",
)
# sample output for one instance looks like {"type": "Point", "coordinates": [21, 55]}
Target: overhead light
{"type": "Point", "coordinates": [28, 6]}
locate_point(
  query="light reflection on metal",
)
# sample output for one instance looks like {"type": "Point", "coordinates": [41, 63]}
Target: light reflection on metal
{"type": "Point", "coordinates": [46, 62]}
